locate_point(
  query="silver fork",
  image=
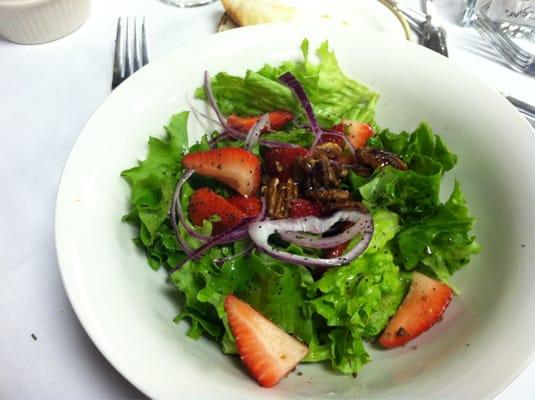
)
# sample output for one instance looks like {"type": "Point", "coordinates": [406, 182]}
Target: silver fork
{"type": "Point", "coordinates": [131, 49]}
{"type": "Point", "coordinates": [517, 58]}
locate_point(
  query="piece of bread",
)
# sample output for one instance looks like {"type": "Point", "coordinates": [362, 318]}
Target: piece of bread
{"type": "Point", "coordinates": [252, 12]}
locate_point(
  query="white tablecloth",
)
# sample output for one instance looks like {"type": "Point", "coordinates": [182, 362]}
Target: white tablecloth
{"type": "Point", "coordinates": [47, 93]}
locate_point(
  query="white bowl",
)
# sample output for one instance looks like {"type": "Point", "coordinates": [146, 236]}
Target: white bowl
{"type": "Point", "coordinates": [41, 21]}
{"type": "Point", "coordinates": [486, 337]}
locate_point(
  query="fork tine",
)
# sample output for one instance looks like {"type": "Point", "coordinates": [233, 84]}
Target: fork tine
{"type": "Point", "coordinates": [118, 59]}
{"type": "Point", "coordinates": [516, 62]}
{"type": "Point", "coordinates": [511, 55]}
{"type": "Point", "coordinates": [129, 63]}
{"type": "Point", "coordinates": [144, 45]}
{"type": "Point", "coordinates": [137, 53]}
{"type": "Point", "coordinates": [487, 35]}
{"type": "Point", "coordinates": [509, 45]}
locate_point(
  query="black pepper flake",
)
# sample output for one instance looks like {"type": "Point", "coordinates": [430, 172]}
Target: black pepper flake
{"type": "Point", "coordinates": [522, 245]}
{"type": "Point", "coordinates": [33, 336]}
{"type": "Point", "coordinates": [401, 332]}
{"type": "Point", "coordinates": [299, 373]}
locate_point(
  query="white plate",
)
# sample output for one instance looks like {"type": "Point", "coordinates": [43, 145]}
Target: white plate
{"type": "Point", "coordinates": [486, 338]}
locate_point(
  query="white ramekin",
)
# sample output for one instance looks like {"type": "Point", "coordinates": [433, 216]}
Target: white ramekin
{"type": "Point", "coordinates": [41, 21]}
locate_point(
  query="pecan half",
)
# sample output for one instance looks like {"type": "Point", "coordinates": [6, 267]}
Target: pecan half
{"type": "Point", "coordinates": [315, 172]}
{"type": "Point", "coordinates": [375, 158]}
{"type": "Point", "coordinates": [279, 197]}
{"type": "Point", "coordinates": [332, 200]}
{"type": "Point", "coordinates": [331, 150]}
{"type": "Point", "coordinates": [329, 195]}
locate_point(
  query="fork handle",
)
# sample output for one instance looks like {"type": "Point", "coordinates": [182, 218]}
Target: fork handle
{"type": "Point", "coordinates": [522, 106]}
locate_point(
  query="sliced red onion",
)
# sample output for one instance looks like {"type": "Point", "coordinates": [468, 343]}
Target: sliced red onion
{"type": "Point", "coordinates": [261, 231]}
{"type": "Point", "coordinates": [316, 242]}
{"type": "Point", "coordinates": [213, 141]}
{"type": "Point", "coordinates": [237, 233]}
{"type": "Point", "coordinates": [211, 99]}
{"type": "Point", "coordinates": [198, 113]}
{"type": "Point", "coordinates": [172, 215]}
{"type": "Point", "coordinates": [337, 134]}
{"type": "Point", "coordinates": [291, 81]}
{"type": "Point", "coordinates": [255, 131]}
{"type": "Point", "coordinates": [176, 210]}
{"type": "Point", "coordinates": [222, 260]}
{"type": "Point", "coordinates": [274, 143]}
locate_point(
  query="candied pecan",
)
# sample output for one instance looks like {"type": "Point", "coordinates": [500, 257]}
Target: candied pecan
{"type": "Point", "coordinates": [279, 197]}
{"type": "Point", "coordinates": [330, 195]}
{"type": "Point", "coordinates": [314, 172]}
{"type": "Point", "coordinates": [331, 200]}
{"type": "Point", "coordinates": [337, 205]}
{"type": "Point", "coordinates": [376, 158]}
{"type": "Point", "coordinates": [330, 149]}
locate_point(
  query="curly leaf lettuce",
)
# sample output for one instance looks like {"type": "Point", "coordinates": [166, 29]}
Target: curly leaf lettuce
{"type": "Point", "coordinates": [333, 95]}
{"type": "Point", "coordinates": [152, 183]}
{"type": "Point", "coordinates": [441, 243]}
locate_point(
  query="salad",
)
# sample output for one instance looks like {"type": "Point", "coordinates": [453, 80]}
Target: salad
{"type": "Point", "coordinates": [300, 229]}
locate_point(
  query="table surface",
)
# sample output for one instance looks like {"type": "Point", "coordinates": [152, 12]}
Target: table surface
{"type": "Point", "coordinates": [47, 93]}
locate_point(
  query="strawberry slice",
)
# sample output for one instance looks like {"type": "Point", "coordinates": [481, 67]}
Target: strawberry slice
{"type": "Point", "coordinates": [236, 167]}
{"type": "Point", "coordinates": [358, 133]}
{"type": "Point", "coordinates": [335, 252]}
{"type": "Point", "coordinates": [304, 208]}
{"type": "Point", "coordinates": [278, 160]}
{"type": "Point", "coordinates": [421, 309]}
{"type": "Point", "coordinates": [250, 206]}
{"type": "Point", "coordinates": [277, 120]}
{"type": "Point", "coordinates": [268, 352]}
{"type": "Point", "coordinates": [204, 203]}
{"type": "Point", "coordinates": [339, 250]}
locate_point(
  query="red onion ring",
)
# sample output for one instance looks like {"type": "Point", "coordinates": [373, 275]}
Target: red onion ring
{"type": "Point", "coordinates": [291, 81]}
{"type": "Point", "coordinates": [311, 241]}
{"type": "Point", "coordinates": [255, 131]}
{"type": "Point", "coordinates": [222, 260]}
{"type": "Point", "coordinates": [212, 101]}
{"type": "Point", "coordinates": [176, 210]}
{"type": "Point", "coordinates": [238, 233]}
{"type": "Point", "coordinates": [261, 231]}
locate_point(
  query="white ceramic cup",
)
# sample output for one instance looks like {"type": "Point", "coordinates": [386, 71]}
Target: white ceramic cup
{"type": "Point", "coordinates": [41, 21]}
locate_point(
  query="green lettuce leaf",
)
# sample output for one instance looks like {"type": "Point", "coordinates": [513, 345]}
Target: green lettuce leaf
{"type": "Point", "coordinates": [357, 300]}
{"type": "Point", "coordinates": [333, 95]}
{"type": "Point", "coordinates": [152, 183]}
{"type": "Point", "coordinates": [440, 243]}
{"type": "Point", "coordinates": [421, 149]}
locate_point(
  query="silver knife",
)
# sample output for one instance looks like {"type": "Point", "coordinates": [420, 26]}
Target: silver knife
{"type": "Point", "coordinates": [434, 36]}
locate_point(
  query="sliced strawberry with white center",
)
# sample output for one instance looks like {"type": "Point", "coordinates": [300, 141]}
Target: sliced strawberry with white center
{"type": "Point", "coordinates": [233, 166]}
{"type": "Point", "coordinates": [423, 307]}
{"type": "Point", "coordinates": [268, 352]}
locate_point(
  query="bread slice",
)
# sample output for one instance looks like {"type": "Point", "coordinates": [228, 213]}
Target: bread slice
{"type": "Point", "coordinates": [252, 12]}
